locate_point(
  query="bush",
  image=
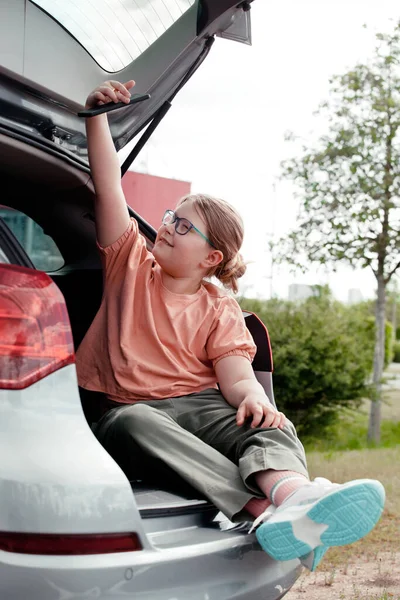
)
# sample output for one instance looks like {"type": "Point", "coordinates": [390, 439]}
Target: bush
{"type": "Point", "coordinates": [323, 358]}
{"type": "Point", "coordinates": [388, 344]}
{"type": "Point", "coordinates": [396, 351]}
{"type": "Point", "coordinates": [370, 321]}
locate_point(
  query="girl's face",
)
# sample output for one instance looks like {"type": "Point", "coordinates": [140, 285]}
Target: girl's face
{"type": "Point", "coordinates": [184, 255]}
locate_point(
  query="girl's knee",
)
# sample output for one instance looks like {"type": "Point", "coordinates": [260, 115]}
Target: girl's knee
{"type": "Point", "coordinates": [136, 417]}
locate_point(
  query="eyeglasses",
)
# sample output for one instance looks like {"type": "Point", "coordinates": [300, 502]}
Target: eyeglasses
{"type": "Point", "coordinates": [182, 225]}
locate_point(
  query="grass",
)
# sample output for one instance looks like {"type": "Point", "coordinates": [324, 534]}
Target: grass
{"type": "Point", "coordinates": [346, 455]}
{"type": "Point", "coordinates": [374, 463]}
{"type": "Point", "coordinates": [368, 569]}
{"type": "Point", "coordinates": [350, 432]}
{"type": "Point", "coordinates": [384, 596]}
{"type": "Point", "coordinates": [378, 463]}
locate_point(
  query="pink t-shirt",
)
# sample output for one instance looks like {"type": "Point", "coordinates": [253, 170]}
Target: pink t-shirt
{"type": "Point", "coordinates": [148, 343]}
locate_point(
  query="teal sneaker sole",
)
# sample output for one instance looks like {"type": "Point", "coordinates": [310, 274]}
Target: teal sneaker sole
{"type": "Point", "coordinates": [312, 559]}
{"type": "Point", "coordinates": [347, 514]}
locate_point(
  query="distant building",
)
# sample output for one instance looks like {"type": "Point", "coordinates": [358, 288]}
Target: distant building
{"type": "Point", "coordinates": [354, 296]}
{"type": "Point", "coordinates": [300, 291]}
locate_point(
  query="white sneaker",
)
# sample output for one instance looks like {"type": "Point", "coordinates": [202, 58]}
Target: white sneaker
{"type": "Point", "coordinates": [312, 560]}
{"type": "Point", "coordinates": [322, 514]}
{"type": "Point", "coordinates": [268, 512]}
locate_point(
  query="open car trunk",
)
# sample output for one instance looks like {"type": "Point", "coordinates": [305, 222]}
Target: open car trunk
{"type": "Point", "coordinates": [61, 52]}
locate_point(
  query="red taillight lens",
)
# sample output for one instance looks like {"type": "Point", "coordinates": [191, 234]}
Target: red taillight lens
{"type": "Point", "coordinates": [59, 544]}
{"type": "Point", "coordinates": [35, 334]}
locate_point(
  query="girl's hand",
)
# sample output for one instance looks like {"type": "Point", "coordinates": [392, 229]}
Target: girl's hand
{"type": "Point", "coordinates": [262, 411]}
{"type": "Point", "coordinates": [110, 91]}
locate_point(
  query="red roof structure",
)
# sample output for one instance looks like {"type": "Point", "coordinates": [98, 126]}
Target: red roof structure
{"type": "Point", "coordinates": [150, 195]}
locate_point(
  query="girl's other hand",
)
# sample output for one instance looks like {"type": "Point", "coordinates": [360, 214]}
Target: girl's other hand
{"type": "Point", "coordinates": [110, 91]}
{"type": "Point", "coordinates": [263, 413]}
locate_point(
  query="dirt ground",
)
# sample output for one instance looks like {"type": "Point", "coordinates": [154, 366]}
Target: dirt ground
{"type": "Point", "coordinates": [370, 568]}
{"type": "Point", "coordinates": [367, 577]}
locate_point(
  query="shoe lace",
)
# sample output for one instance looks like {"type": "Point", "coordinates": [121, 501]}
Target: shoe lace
{"type": "Point", "coordinates": [263, 517]}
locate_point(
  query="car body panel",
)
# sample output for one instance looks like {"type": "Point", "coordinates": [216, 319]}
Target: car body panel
{"type": "Point", "coordinates": [200, 566]}
{"type": "Point", "coordinates": [58, 478]}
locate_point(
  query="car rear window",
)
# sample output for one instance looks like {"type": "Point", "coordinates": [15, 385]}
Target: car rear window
{"type": "Point", "coordinates": [115, 32]}
{"type": "Point", "coordinates": [40, 248]}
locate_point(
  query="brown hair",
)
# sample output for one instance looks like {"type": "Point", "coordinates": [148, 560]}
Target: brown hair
{"type": "Point", "coordinates": [225, 232]}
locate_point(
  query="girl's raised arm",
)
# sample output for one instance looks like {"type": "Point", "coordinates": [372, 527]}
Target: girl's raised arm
{"type": "Point", "coordinates": [111, 212]}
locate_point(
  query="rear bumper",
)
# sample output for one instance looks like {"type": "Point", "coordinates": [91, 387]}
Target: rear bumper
{"type": "Point", "coordinates": [58, 479]}
{"type": "Point", "coordinates": [202, 566]}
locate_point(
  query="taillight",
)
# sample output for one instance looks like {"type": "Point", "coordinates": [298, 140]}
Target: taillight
{"type": "Point", "coordinates": [64, 544]}
{"type": "Point", "coordinates": [35, 333]}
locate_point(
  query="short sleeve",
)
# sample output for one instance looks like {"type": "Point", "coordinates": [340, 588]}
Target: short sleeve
{"type": "Point", "coordinates": [130, 247]}
{"type": "Point", "coordinates": [229, 335]}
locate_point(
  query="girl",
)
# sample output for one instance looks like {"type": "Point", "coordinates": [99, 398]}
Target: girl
{"type": "Point", "coordinates": [162, 339]}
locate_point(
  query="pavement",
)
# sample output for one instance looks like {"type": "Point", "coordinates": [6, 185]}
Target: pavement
{"type": "Point", "coordinates": [392, 377]}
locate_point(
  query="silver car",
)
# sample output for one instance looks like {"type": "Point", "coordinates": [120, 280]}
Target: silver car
{"type": "Point", "coordinates": [71, 523]}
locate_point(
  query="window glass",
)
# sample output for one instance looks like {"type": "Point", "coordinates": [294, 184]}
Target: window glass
{"type": "Point", "coordinates": [115, 32]}
{"type": "Point", "coordinates": [3, 257]}
{"type": "Point", "coordinates": [39, 247]}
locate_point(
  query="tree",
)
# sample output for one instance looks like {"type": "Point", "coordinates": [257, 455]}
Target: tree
{"type": "Point", "coordinates": [349, 185]}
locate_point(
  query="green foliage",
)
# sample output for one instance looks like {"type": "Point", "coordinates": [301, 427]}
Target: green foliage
{"type": "Point", "coordinates": [349, 432]}
{"type": "Point", "coordinates": [388, 344]}
{"type": "Point", "coordinates": [365, 310]}
{"type": "Point", "coordinates": [396, 352]}
{"type": "Point", "coordinates": [349, 180]}
{"type": "Point", "coordinates": [388, 355]}
{"type": "Point", "coordinates": [323, 358]}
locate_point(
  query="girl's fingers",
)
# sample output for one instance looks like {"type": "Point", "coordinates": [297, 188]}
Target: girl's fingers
{"type": "Point", "coordinates": [100, 97]}
{"type": "Point", "coordinates": [123, 88]}
{"type": "Point", "coordinates": [129, 84]}
{"type": "Point", "coordinates": [108, 92]}
{"type": "Point", "coordinates": [122, 92]}
{"type": "Point", "coordinates": [258, 416]}
{"type": "Point", "coordinates": [240, 415]}
{"type": "Point", "coordinates": [282, 420]}
{"type": "Point", "coordinates": [122, 97]}
{"type": "Point", "coordinates": [263, 416]}
{"type": "Point", "coordinates": [271, 419]}
{"type": "Point", "coordinates": [277, 421]}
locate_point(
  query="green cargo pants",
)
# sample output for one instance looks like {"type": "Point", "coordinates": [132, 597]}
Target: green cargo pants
{"type": "Point", "coordinates": [198, 438]}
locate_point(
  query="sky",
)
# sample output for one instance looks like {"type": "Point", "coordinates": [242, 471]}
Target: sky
{"type": "Point", "coordinates": [226, 130]}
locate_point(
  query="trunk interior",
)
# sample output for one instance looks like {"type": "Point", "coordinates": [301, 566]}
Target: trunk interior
{"type": "Point", "coordinates": [65, 213]}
